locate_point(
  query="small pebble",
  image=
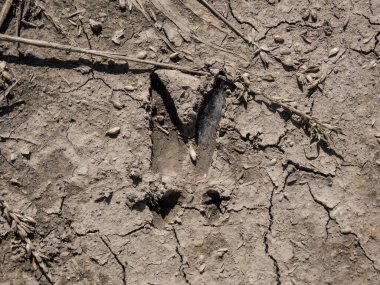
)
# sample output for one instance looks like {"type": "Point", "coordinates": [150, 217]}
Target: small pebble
{"type": "Point", "coordinates": [188, 57]}
{"type": "Point", "coordinates": [174, 56]}
{"type": "Point", "coordinates": [160, 119]}
{"type": "Point", "coordinates": [192, 153]}
{"type": "Point", "coordinates": [142, 54]}
{"type": "Point", "coordinates": [314, 14]}
{"type": "Point", "coordinates": [129, 88]}
{"type": "Point", "coordinates": [224, 249]}
{"type": "Point", "coordinates": [372, 64]}
{"type": "Point", "coordinates": [378, 162]}
{"type": "Point", "coordinates": [272, 162]}
{"type": "Point", "coordinates": [6, 76]}
{"type": "Point", "coordinates": [16, 182]}
{"type": "Point", "coordinates": [13, 157]}
{"type": "Point", "coordinates": [245, 77]}
{"type": "Point", "coordinates": [202, 268]}
{"type": "Point", "coordinates": [122, 4]}
{"type": "Point", "coordinates": [113, 131]}
{"type": "Point", "coordinates": [118, 105]}
{"type": "Point", "coordinates": [26, 152]}
{"type": "Point", "coordinates": [64, 253]}
{"type": "Point", "coordinates": [102, 16]}
{"type": "Point", "coordinates": [117, 36]}
{"type": "Point", "coordinates": [333, 51]}
{"type": "Point", "coordinates": [96, 26]}
{"type": "Point", "coordinates": [373, 233]}
{"type": "Point", "coordinates": [278, 39]}
{"type": "Point", "coordinates": [268, 77]}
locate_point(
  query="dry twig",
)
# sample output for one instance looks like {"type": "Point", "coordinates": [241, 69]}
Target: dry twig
{"type": "Point", "coordinates": [4, 11]}
{"type": "Point", "coordinates": [318, 129]}
{"type": "Point", "coordinates": [24, 226]}
{"type": "Point", "coordinates": [225, 21]}
{"type": "Point", "coordinates": [106, 54]}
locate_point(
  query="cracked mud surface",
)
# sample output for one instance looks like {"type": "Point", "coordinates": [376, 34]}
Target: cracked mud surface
{"type": "Point", "coordinates": [260, 205]}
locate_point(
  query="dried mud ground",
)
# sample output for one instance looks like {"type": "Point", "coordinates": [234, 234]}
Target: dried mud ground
{"type": "Point", "coordinates": [262, 205]}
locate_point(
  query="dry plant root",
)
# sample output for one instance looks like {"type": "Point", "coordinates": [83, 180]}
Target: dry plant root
{"type": "Point", "coordinates": [23, 226]}
{"type": "Point", "coordinates": [319, 131]}
{"type": "Point", "coordinates": [105, 54]}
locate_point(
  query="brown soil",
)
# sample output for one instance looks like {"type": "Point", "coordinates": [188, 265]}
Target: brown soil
{"type": "Point", "coordinates": [263, 203]}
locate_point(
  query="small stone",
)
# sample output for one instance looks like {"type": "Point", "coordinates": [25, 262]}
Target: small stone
{"type": "Point", "coordinates": [246, 78]}
{"type": "Point", "coordinates": [174, 56]}
{"type": "Point", "coordinates": [25, 152]}
{"type": "Point", "coordinates": [135, 173]}
{"type": "Point", "coordinates": [272, 162]}
{"type": "Point", "coordinates": [117, 36]}
{"type": "Point", "coordinates": [278, 39]}
{"type": "Point", "coordinates": [189, 57]}
{"type": "Point", "coordinates": [202, 268]}
{"type": "Point", "coordinates": [13, 157]}
{"type": "Point", "coordinates": [84, 69]}
{"type": "Point", "coordinates": [3, 64]}
{"type": "Point", "coordinates": [314, 14]}
{"type": "Point", "coordinates": [377, 135]}
{"type": "Point", "coordinates": [378, 162]}
{"type": "Point", "coordinates": [142, 54]}
{"type": "Point", "coordinates": [7, 76]}
{"type": "Point", "coordinates": [96, 26]}
{"type": "Point", "coordinates": [223, 249]}
{"type": "Point", "coordinates": [269, 78]}
{"type": "Point", "coordinates": [102, 16]}
{"type": "Point", "coordinates": [160, 119]}
{"type": "Point", "coordinates": [373, 233]}
{"type": "Point", "coordinates": [198, 243]}
{"type": "Point", "coordinates": [16, 182]}
{"type": "Point", "coordinates": [333, 51]}
{"type": "Point", "coordinates": [112, 132]}
{"type": "Point", "coordinates": [64, 253]}
{"type": "Point", "coordinates": [122, 4]}
{"type": "Point", "coordinates": [192, 153]}
{"type": "Point", "coordinates": [129, 88]}
{"type": "Point", "coordinates": [117, 104]}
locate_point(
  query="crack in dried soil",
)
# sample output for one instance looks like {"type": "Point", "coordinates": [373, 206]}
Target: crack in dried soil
{"type": "Point", "coordinates": [269, 230]}
{"type": "Point", "coordinates": [327, 209]}
{"type": "Point", "coordinates": [124, 269]}
{"type": "Point", "coordinates": [238, 20]}
{"type": "Point", "coordinates": [361, 248]}
{"type": "Point", "coordinates": [308, 170]}
{"type": "Point", "coordinates": [181, 268]}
